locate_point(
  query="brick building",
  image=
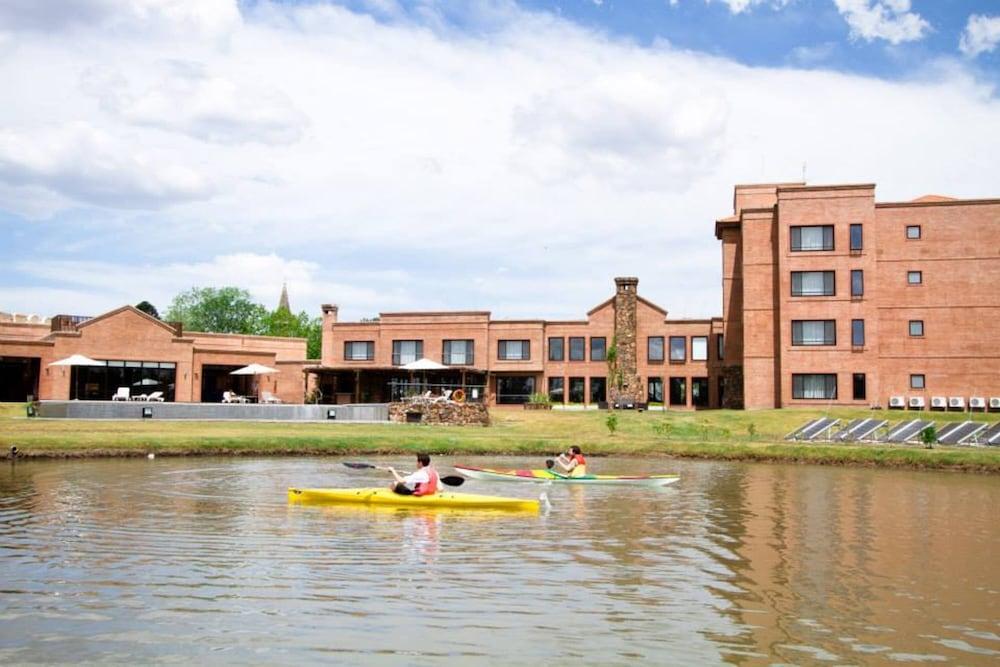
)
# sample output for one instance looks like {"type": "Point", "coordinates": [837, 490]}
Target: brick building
{"type": "Point", "coordinates": [832, 298]}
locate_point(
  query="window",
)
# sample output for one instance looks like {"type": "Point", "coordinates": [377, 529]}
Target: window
{"type": "Point", "coordinates": [699, 348]}
{"type": "Point", "coordinates": [359, 350]}
{"type": "Point", "coordinates": [557, 389]}
{"type": "Point", "coordinates": [858, 383]}
{"type": "Point", "coordinates": [720, 347]}
{"type": "Point", "coordinates": [699, 392]}
{"type": "Point", "coordinates": [598, 348]}
{"type": "Point", "coordinates": [654, 390]}
{"type": "Point", "coordinates": [514, 389]}
{"type": "Point", "coordinates": [678, 348]}
{"type": "Point", "coordinates": [458, 353]}
{"type": "Point", "coordinates": [100, 383]}
{"type": "Point", "coordinates": [678, 391]}
{"type": "Point", "coordinates": [814, 386]}
{"type": "Point", "coordinates": [654, 349]}
{"type": "Point", "coordinates": [577, 348]}
{"type": "Point", "coordinates": [916, 327]}
{"type": "Point", "coordinates": [813, 283]}
{"type": "Point", "coordinates": [917, 381]}
{"type": "Point", "coordinates": [514, 350]}
{"type": "Point", "coordinates": [857, 238]}
{"type": "Point", "coordinates": [913, 232]}
{"type": "Point", "coordinates": [556, 351]}
{"type": "Point", "coordinates": [819, 237]}
{"type": "Point", "coordinates": [914, 277]}
{"type": "Point", "coordinates": [858, 333]}
{"type": "Point", "coordinates": [814, 332]}
{"type": "Point", "coordinates": [406, 351]}
{"type": "Point", "coordinates": [576, 390]}
{"type": "Point", "coordinates": [598, 390]}
{"type": "Point", "coordinates": [857, 282]}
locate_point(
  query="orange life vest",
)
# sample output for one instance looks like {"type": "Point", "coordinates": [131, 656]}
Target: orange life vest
{"type": "Point", "coordinates": [430, 487]}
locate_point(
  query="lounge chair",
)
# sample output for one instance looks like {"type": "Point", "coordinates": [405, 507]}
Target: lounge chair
{"type": "Point", "coordinates": [232, 397]}
{"type": "Point", "coordinates": [121, 394]}
{"type": "Point", "coordinates": [268, 397]}
{"type": "Point", "coordinates": [156, 396]}
{"type": "Point", "coordinates": [445, 395]}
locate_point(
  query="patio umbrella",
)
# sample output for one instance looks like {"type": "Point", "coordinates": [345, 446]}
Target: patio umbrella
{"type": "Point", "coordinates": [145, 381]}
{"type": "Point", "coordinates": [255, 369]}
{"type": "Point", "coordinates": [424, 364]}
{"type": "Point", "coordinates": [77, 360]}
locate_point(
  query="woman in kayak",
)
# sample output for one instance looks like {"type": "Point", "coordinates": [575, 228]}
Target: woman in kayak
{"type": "Point", "coordinates": [423, 482]}
{"type": "Point", "coordinates": [573, 462]}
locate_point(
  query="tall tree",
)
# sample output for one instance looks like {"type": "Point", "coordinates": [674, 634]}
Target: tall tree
{"type": "Point", "coordinates": [222, 310]}
{"type": "Point", "coordinates": [148, 308]}
{"type": "Point", "coordinates": [282, 322]}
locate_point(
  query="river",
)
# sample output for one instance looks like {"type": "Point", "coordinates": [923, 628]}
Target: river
{"type": "Point", "coordinates": [195, 560]}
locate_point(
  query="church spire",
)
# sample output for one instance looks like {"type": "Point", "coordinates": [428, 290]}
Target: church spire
{"type": "Point", "coordinates": [283, 302]}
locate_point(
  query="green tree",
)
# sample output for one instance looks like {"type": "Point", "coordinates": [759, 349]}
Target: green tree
{"type": "Point", "coordinates": [148, 308]}
{"type": "Point", "coordinates": [222, 310]}
{"type": "Point", "coordinates": [282, 322]}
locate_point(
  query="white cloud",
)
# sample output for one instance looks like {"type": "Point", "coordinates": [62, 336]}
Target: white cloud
{"type": "Point", "coordinates": [890, 20]}
{"type": "Point", "coordinates": [740, 6]}
{"type": "Point", "coordinates": [202, 17]}
{"type": "Point", "coordinates": [981, 35]}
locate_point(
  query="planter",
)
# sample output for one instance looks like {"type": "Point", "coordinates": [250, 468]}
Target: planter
{"type": "Point", "coordinates": [537, 406]}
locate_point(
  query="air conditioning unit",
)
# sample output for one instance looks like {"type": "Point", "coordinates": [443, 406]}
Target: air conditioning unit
{"type": "Point", "coordinates": [896, 402]}
{"type": "Point", "coordinates": [995, 403]}
{"type": "Point", "coordinates": [977, 403]}
{"type": "Point", "coordinates": [917, 402]}
{"type": "Point", "coordinates": [938, 402]}
{"type": "Point", "coordinates": [956, 402]}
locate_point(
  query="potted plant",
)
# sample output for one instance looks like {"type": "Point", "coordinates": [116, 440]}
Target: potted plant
{"type": "Point", "coordinates": [538, 402]}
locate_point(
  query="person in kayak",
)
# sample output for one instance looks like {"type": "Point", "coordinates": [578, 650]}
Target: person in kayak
{"type": "Point", "coordinates": [573, 462]}
{"type": "Point", "coordinates": [423, 482]}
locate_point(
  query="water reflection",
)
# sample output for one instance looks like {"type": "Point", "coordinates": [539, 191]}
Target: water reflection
{"type": "Point", "coordinates": [204, 560]}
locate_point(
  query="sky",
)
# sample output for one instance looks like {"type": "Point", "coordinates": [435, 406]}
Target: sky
{"type": "Point", "coordinates": [489, 154]}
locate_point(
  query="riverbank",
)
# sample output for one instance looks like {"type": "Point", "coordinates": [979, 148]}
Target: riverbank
{"type": "Point", "coordinates": [718, 434]}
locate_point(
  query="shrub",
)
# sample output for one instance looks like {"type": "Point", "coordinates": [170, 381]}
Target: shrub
{"type": "Point", "coordinates": [752, 431]}
{"type": "Point", "coordinates": [539, 399]}
{"type": "Point", "coordinates": [929, 436]}
{"type": "Point", "coordinates": [612, 423]}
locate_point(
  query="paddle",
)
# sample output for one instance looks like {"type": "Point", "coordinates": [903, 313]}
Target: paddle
{"type": "Point", "coordinates": [448, 480]}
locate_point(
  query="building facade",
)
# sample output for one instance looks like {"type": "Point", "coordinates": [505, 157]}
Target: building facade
{"type": "Point", "coordinates": [830, 297]}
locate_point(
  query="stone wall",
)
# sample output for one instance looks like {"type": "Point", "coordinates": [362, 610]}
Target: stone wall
{"type": "Point", "coordinates": [625, 339]}
{"type": "Point", "coordinates": [429, 411]}
{"type": "Point", "coordinates": [732, 383]}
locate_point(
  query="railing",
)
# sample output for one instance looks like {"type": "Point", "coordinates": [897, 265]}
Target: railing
{"type": "Point", "coordinates": [400, 391]}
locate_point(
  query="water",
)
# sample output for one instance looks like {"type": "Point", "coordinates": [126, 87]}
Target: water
{"type": "Point", "coordinates": [203, 560]}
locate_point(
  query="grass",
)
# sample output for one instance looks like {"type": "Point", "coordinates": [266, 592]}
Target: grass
{"type": "Point", "coordinates": [717, 434]}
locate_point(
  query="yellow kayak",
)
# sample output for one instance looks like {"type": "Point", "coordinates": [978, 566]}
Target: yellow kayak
{"type": "Point", "coordinates": [383, 496]}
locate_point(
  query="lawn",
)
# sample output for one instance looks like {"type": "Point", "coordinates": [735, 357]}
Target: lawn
{"type": "Point", "coordinates": [717, 434]}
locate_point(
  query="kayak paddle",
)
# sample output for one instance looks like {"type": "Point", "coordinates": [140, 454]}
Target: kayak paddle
{"type": "Point", "coordinates": [448, 480]}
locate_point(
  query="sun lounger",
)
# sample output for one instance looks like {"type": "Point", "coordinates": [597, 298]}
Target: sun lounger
{"type": "Point", "coordinates": [232, 397]}
{"type": "Point", "coordinates": [445, 395]}
{"type": "Point", "coordinates": [121, 395]}
{"type": "Point", "coordinates": [155, 397]}
{"type": "Point", "coordinates": [268, 397]}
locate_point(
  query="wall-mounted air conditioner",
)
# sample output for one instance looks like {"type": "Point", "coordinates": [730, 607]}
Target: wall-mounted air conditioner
{"type": "Point", "coordinates": [939, 402]}
{"type": "Point", "coordinates": [896, 402]}
{"type": "Point", "coordinates": [977, 402]}
{"type": "Point", "coordinates": [917, 402]}
{"type": "Point", "coordinates": [956, 402]}
{"type": "Point", "coordinates": [995, 403]}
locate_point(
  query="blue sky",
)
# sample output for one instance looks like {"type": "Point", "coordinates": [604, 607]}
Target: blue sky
{"type": "Point", "coordinates": [496, 155]}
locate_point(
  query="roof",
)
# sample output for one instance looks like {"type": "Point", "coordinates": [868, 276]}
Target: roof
{"type": "Point", "coordinates": [132, 309]}
{"type": "Point", "coordinates": [927, 199]}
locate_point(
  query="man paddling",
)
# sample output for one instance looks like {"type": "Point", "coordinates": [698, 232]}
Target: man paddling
{"type": "Point", "coordinates": [573, 462]}
{"type": "Point", "coordinates": [423, 482]}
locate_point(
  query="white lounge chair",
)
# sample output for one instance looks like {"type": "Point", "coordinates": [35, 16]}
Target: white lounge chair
{"type": "Point", "coordinates": [121, 394]}
{"type": "Point", "coordinates": [232, 397]}
{"type": "Point", "coordinates": [156, 396]}
{"type": "Point", "coordinates": [268, 397]}
{"type": "Point", "coordinates": [445, 395]}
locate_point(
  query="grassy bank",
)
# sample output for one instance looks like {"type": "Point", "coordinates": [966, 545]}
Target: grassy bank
{"type": "Point", "coordinates": [720, 434]}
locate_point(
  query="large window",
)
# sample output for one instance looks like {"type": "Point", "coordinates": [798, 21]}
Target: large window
{"type": "Point", "coordinates": [857, 333]}
{"type": "Point", "coordinates": [859, 385]}
{"type": "Point", "coordinates": [699, 392]}
{"type": "Point", "coordinates": [598, 390]}
{"type": "Point", "coordinates": [359, 350]}
{"type": "Point", "coordinates": [857, 282]}
{"type": "Point", "coordinates": [720, 347]}
{"type": "Point", "coordinates": [678, 391]}
{"type": "Point", "coordinates": [857, 238]}
{"type": "Point", "coordinates": [654, 349]}
{"type": "Point", "coordinates": [458, 352]}
{"type": "Point", "coordinates": [514, 389]}
{"type": "Point", "coordinates": [514, 350]}
{"type": "Point", "coordinates": [814, 332]}
{"type": "Point", "coordinates": [100, 383]}
{"type": "Point", "coordinates": [814, 386]}
{"type": "Point", "coordinates": [406, 351]}
{"type": "Point", "coordinates": [577, 348]}
{"type": "Point", "coordinates": [556, 351]}
{"type": "Point", "coordinates": [576, 390]}
{"type": "Point", "coordinates": [557, 389]}
{"type": "Point", "coordinates": [818, 237]}
{"type": "Point", "coordinates": [813, 283]}
{"type": "Point", "coordinates": [598, 348]}
{"type": "Point", "coordinates": [654, 390]}
{"type": "Point", "coordinates": [678, 348]}
{"type": "Point", "coordinates": [916, 327]}
{"type": "Point", "coordinates": [699, 348]}
{"type": "Point", "coordinates": [914, 277]}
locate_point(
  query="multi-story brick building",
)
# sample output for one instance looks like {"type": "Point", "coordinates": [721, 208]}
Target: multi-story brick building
{"type": "Point", "coordinates": [832, 298]}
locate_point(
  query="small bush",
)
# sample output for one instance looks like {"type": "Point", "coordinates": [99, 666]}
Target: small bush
{"type": "Point", "coordinates": [752, 431]}
{"type": "Point", "coordinates": [539, 399]}
{"type": "Point", "coordinates": [612, 423]}
{"type": "Point", "coordinates": [929, 436]}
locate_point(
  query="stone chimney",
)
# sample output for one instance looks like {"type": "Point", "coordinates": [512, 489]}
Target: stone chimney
{"type": "Point", "coordinates": [625, 338]}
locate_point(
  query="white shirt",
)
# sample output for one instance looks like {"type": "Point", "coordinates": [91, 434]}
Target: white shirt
{"type": "Point", "coordinates": [418, 477]}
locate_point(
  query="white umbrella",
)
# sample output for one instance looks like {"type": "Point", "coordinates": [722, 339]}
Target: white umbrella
{"type": "Point", "coordinates": [77, 360]}
{"type": "Point", "coordinates": [255, 369]}
{"type": "Point", "coordinates": [424, 364]}
{"type": "Point", "coordinates": [145, 381]}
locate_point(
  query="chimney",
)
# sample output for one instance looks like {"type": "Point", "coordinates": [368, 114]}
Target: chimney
{"type": "Point", "coordinates": [625, 340]}
{"type": "Point", "coordinates": [330, 311]}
